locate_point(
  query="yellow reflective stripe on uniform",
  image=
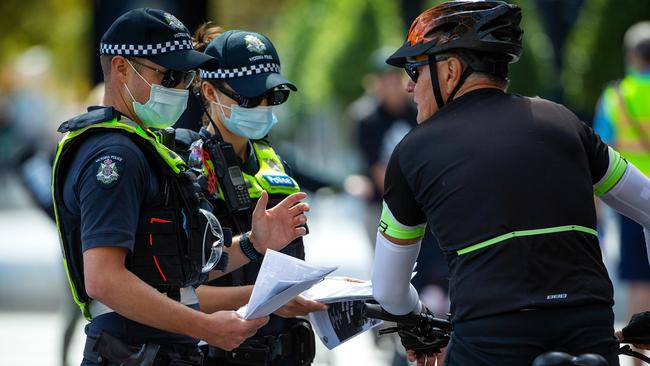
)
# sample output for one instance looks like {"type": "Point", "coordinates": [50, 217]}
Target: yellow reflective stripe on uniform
{"type": "Point", "coordinates": [85, 311]}
{"type": "Point", "coordinates": [271, 175]}
{"type": "Point", "coordinates": [514, 234]}
{"type": "Point", "coordinates": [391, 227]}
{"type": "Point", "coordinates": [628, 141]}
{"type": "Point", "coordinates": [270, 165]}
{"type": "Point", "coordinates": [170, 157]}
{"type": "Point", "coordinates": [617, 167]}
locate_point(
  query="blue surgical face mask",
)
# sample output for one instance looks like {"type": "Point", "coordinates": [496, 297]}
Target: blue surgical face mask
{"type": "Point", "coordinates": [252, 123]}
{"type": "Point", "coordinates": [164, 107]}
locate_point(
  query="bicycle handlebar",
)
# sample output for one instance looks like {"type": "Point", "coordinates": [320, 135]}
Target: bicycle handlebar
{"type": "Point", "coordinates": [413, 320]}
{"type": "Point", "coordinates": [423, 333]}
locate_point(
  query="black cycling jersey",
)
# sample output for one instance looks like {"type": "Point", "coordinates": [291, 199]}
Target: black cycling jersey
{"type": "Point", "coordinates": [505, 183]}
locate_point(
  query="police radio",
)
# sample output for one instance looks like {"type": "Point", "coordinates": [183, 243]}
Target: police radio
{"type": "Point", "coordinates": [229, 175]}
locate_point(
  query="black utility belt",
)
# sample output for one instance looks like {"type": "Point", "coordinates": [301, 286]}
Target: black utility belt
{"type": "Point", "coordinates": [107, 350]}
{"type": "Point", "coordinates": [298, 344]}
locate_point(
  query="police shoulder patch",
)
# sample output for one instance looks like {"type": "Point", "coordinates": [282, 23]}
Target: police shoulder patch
{"type": "Point", "coordinates": [109, 170]}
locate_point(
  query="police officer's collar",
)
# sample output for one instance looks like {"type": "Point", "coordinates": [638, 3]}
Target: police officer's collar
{"type": "Point", "coordinates": [94, 115]}
{"type": "Point", "coordinates": [250, 165]}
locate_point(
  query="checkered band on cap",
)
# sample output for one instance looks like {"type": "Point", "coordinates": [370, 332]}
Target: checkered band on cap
{"type": "Point", "coordinates": [145, 49]}
{"type": "Point", "coordinates": [238, 72]}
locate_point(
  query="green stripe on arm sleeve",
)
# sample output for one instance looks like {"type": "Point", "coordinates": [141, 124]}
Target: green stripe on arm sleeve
{"type": "Point", "coordinates": [393, 228]}
{"type": "Point", "coordinates": [616, 169]}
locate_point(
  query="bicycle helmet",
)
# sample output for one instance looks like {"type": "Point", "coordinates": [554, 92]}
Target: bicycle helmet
{"type": "Point", "coordinates": [485, 34]}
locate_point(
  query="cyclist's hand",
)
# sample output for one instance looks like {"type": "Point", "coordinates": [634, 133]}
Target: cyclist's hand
{"type": "Point", "coordinates": [299, 306]}
{"type": "Point", "coordinates": [637, 331]}
{"type": "Point", "coordinates": [435, 360]}
{"type": "Point", "coordinates": [619, 335]}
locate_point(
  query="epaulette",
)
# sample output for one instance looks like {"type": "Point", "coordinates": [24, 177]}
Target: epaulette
{"type": "Point", "coordinates": [94, 115]}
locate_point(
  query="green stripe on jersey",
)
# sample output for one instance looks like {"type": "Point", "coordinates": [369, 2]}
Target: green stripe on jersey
{"type": "Point", "coordinates": [514, 234]}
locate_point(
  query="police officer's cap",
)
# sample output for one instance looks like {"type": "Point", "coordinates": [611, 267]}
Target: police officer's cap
{"type": "Point", "coordinates": [248, 62]}
{"type": "Point", "coordinates": [155, 35]}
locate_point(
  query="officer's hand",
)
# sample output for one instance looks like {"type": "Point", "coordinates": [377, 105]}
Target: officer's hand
{"type": "Point", "coordinates": [299, 306]}
{"type": "Point", "coordinates": [276, 227]}
{"type": "Point", "coordinates": [227, 330]}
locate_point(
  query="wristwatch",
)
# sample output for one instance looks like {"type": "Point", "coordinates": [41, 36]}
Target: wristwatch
{"type": "Point", "coordinates": [248, 249]}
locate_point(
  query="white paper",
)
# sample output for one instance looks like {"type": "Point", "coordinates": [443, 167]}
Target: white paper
{"type": "Point", "coordinates": [280, 279]}
{"type": "Point", "coordinates": [336, 289]}
{"type": "Point", "coordinates": [341, 322]}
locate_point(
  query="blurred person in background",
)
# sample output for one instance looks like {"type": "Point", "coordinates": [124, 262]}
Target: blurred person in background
{"type": "Point", "coordinates": [382, 117]}
{"type": "Point", "coordinates": [239, 98]}
{"type": "Point", "coordinates": [29, 138]}
{"type": "Point", "coordinates": [126, 206]}
{"type": "Point", "coordinates": [31, 145]}
{"type": "Point", "coordinates": [506, 184]}
{"type": "Point", "coordinates": [623, 121]}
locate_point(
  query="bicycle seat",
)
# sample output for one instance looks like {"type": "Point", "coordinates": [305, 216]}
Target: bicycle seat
{"type": "Point", "coordinates": [565, 359]}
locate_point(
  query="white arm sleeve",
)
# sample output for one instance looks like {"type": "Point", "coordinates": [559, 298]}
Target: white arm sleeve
{"type": "Point", "coordinates": [391, 276]}
{"type": "Point", "coordinates": [631, 197]}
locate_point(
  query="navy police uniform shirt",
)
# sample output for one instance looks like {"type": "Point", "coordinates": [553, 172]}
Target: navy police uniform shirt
{"type": "Point", "coordinates": [107, 182]}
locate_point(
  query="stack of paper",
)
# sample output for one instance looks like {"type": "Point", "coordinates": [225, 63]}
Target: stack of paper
{"type": "Point", "coordinates": [280, 279]}
{"type": "Point", "coordinates": [336, 289]}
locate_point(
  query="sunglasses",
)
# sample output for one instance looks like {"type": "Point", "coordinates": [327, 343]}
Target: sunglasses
{"type": "Point", "coordinates": [275, 96]}
{"type": "Point", "coordinates": [216, 248]}
{"type": "Point", "coordinates": [413, 68]}
{"type": "Point", "coordinates": [171, 78]}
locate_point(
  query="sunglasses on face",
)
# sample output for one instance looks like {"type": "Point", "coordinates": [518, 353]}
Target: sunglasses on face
{"type": "Point", "coordinates": [275, 96]}
{"type": "Point", "coordinates": [171, 78]}
{"type": "Point", "coordinates": [413, 68]}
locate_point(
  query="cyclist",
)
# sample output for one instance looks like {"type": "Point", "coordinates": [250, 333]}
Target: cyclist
{"type": "Point", "coordinates": [506, 185]}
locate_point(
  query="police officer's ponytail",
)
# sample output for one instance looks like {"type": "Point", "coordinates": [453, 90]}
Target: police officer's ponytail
{"type": "Point", "coordinates": [205, 33]}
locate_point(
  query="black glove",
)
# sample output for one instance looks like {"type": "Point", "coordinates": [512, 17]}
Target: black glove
{"type": "Point", "coordinates": [638, 329]}
{"type": "Point", "coordinates": [424, 338]}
